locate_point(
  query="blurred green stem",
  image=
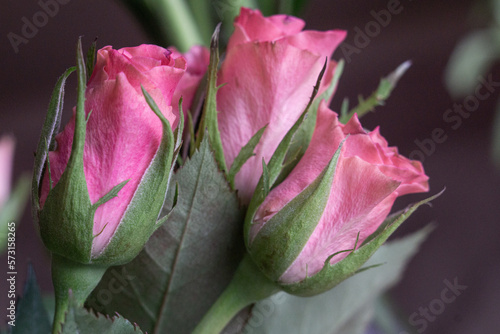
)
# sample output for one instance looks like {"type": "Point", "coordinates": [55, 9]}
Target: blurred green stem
{"type": "Point", "coordinates": [68, 275]}
{"type": "Point", "coordinates": [248, 286]}
{"type": "Point", "coordinates": [177, 22]}
{"type": "Point", "coordinates": [202, 14]}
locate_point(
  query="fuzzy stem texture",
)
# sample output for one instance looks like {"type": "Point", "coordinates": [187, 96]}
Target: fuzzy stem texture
{"type": "Point", "coordinates": [68, 275]}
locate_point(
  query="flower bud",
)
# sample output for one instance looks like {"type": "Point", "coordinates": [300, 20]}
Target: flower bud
{"type": "Point", "coordinates": [270, 68]}
{"type": "Point", "coordinates": [331, 202]}
{"type": "Point", "coordinates": [104, 185]}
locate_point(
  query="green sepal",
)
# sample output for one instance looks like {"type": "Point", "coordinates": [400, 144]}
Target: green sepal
{"type": "Point", "coordinates": [281, 239]}
{"type": "Point", "coordinates": [305, 132]}
{"type": "Point", "coordinates": [163, 219]}
{"type": "Point", "coordinates": [91, 58]}
{"type": "Point", "coordinates": [66, 220]}
{"type": "Point", "coordinates": [331, 275]}
{"type": "Point", "coordinates": [46, 142]}
{"type": "Point", "coordinates": [382, 93]}
{"type": "Point", "coordinates": [276, 163]}
{"type": "Point", "coordinates": [209, 123]}
{"type": "Point", "coordinates": [139, 220]}
{"type": "Point", "coordinates": [245, 153]}
{"type": "Point", "coordinates": [109, 195]}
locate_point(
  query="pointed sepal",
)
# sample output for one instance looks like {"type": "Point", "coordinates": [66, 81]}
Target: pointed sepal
{"type": "Point", "coordinates": [331, 275]}
{"type": "Point", "coordinates": [274, 169]}
{"type": "Point", "coordinates": [209, 124]}
{"type": "Point", "coordinates": [280, 240]}
{"type": "Point", "coordinates": [66, 220]}
{"type": "Point", "coordinates": [47, 140]}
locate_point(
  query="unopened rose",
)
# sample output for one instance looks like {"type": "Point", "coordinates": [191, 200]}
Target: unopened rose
{"type": "Point", "coordinates": [269, 72]}
{"type": "Point", "coordinates": [123, 136]}
{"type": "Point", "coordinates": [368, 178]}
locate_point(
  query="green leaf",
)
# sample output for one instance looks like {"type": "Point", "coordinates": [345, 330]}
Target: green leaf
{"type": "Point", "coordinates": [245, 153]}
{"type": "Point", "coordinates": [209, 124]}
{"type": "Point", "coordinates": [332, 275]}
{"type": "Point", "coordinates": [281, 239]}
{"type": "Point", "coordinates": [31, 316]}
{"type": "Point", "coordinates": [47, 139]}
{"type": "Point", "coordinates": [341, 309]}
{"type": "Point", "coordinates": [187, 262]}
{"type": "Point", "coordinates": [79, 320]}
{"type": "Point", "coordinates": [382, 93]}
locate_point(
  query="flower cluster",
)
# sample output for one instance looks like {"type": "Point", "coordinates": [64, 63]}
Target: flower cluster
{"type": "Point", "coordinates": [317, 189]}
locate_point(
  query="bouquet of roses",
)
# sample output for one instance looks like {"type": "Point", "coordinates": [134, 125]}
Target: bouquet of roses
{"type": "Point", "coordinates": [193, 194]}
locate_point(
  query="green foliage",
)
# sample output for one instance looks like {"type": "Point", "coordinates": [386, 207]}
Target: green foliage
{"type": "Point", "coordinates": [378, 97]}
{"type": "Point", "coordinates": [246, 153]}
{"type": "Point", "coordinates": [78, 320]}
{"type": "Point", "coordinates": [31, 316]}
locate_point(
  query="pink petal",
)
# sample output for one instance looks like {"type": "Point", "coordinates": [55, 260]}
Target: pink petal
{"type": "Point", "coordinates": [250, 25]}
{"type": "Point", "coordinates": [7, 145]}
{"type": "Point", "coordinates": [369, 177]}
{"type": "Point", "coordinates": [264, 84]}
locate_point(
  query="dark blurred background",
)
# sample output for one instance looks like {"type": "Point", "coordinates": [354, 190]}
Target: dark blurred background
{"type": "Point", "coordinates": [465, 245]}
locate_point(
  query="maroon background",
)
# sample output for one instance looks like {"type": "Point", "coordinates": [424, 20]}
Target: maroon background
{"type": "Point", "coordinates": [465, 243]}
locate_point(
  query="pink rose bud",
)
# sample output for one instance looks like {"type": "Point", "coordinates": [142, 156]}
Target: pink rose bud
{"type": "Point", "coordinates": [328, 204]}
{"type": "Point", "coordinates": [270, 69]}
{"type": "Point", "coordinates": [105, 206]}
{"type": "Point", "coordinates": [6, 159]}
